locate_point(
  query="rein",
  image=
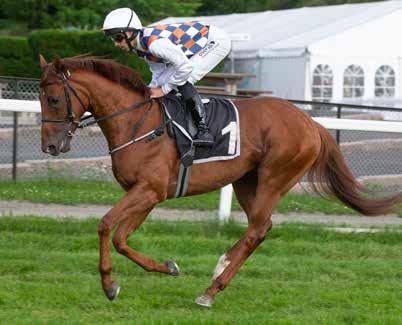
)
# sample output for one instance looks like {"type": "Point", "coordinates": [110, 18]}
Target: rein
{"type": "Point", "coordinates": [69, 119]}
{"type": "Point", "coordinates": [151, 134]}
{"type": "Point", "coordinates": [83, 123]}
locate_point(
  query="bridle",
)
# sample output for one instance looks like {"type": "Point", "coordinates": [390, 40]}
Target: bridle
{"type": "Point", "coordinates": [69, 119]}
{"type": "Point", "coordinates": [83, 122]}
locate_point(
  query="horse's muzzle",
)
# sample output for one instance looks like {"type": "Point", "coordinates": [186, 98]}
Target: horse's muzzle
{"type": "Point", "coordinates": [54, 149]}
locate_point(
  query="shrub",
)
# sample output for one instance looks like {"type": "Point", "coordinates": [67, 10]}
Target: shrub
{"type": "Point", "coordinates": [16, 58]}
{"type": "Point", "coordinates": [65, 43]}
{"type": "Point", "coordinates": [19, 56]}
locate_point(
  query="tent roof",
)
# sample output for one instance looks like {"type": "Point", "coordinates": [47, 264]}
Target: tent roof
{"type": "Point", "coordinates": [290, 32]}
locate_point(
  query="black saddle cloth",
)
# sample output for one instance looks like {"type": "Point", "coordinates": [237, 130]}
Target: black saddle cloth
{"type": "Point", "coordinates": [223, 123]}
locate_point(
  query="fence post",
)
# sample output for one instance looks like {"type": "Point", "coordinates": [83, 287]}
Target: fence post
{"type": "Point", "coordinates": [15, 140]}
{"type": "Point", "coordinates": [15, 134]}
{"type": "Point", "coordinates": [338, 115]}
{"type": "Point", "coordinates": [225, 203]}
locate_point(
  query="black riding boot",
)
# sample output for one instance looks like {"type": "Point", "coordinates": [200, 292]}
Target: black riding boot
{"type": "Point", "coordinates": [203, 138]}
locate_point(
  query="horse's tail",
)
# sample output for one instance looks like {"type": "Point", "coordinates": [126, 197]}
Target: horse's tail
{"type": "Point", "coordinates": [330, 175]}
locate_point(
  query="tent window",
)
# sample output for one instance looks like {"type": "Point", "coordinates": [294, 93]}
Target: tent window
{"type": "Point", "coordinates": [385, 82]}
{"type": "Point", "coordinates": [323, 80]}
{"type": "Point", "coordinates": [353, 82]}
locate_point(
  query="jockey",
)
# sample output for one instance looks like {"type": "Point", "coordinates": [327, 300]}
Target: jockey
{"type": "Point", "coordinates": [178, 56]}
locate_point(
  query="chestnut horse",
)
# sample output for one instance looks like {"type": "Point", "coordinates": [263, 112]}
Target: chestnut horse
{"type": "Point", "coordinates": [279, 144]}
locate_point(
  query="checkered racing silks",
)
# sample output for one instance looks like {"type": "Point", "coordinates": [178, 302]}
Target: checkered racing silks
{"type": "Point", "coordinates": [191, 37]}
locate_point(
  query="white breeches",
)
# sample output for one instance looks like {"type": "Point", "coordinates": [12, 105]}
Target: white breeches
{"type": "Point", "coordinates": [217, 48]}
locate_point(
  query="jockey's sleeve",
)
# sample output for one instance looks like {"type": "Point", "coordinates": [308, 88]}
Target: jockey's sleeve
{"type": "Point", "coordinates": [156, 69]}
{"type": "Point", "coordinates": [173, 56]}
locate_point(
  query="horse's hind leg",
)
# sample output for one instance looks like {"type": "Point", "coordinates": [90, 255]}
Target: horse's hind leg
{"type": "Point", "coordinates": [274, 180]}
{"type": "Point", "coordinates": [245, 190]}
{"type": "Point", "coordinates": [231, 261]}
{"type": "Point", "coordinates": [124, 229]}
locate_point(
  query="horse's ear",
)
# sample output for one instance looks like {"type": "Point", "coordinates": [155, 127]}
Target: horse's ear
{"type": "Point", "coordinates": [42, 61]}
{"type": "Point", "coordinates": [57, 63]}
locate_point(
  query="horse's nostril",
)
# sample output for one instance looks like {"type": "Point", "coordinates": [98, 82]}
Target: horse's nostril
{"type": "Point", "coordinates": [51, 149]}
{"type": "Point", "coordinates": [54, 101]}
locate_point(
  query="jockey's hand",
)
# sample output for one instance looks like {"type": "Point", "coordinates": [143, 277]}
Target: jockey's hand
{"type": "Point", "coordinates": [157, 92]}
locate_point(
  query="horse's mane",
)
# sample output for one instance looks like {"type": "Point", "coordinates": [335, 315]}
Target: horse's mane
{"type": "Point", "coordinates": [108, 68]}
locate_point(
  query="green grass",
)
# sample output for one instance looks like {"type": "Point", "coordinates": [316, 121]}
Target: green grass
{"type": "Point", "coordinates": [300, 275]}
{"type": "Point", "coordinates": [74, 192]}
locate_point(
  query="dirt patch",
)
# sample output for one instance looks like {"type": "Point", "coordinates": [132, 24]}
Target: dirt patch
{"type": "Point", "coordinates": [20, 208]}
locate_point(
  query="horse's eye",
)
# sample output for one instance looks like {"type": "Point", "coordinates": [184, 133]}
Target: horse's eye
{"type": "Point", "coordinates": [54, 101]}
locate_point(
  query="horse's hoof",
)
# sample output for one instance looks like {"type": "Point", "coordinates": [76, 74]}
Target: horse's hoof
{"type": "Point", "coordinates": [173, 268]}
{"type": "Point", "coordinates": [113, 292]}
{"type": "Point", "coordinates": [204, 301]}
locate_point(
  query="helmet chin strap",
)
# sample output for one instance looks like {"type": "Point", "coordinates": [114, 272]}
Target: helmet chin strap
{"type": "Point", "coordinates": [130, 39]}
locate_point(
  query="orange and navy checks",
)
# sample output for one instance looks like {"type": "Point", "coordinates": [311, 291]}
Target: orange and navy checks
{"type": "Point", "coordinates": [191, 37]}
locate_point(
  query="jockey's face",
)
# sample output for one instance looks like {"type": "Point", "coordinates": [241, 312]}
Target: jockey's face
{"type": "Point", "coordinates": [120, 41]}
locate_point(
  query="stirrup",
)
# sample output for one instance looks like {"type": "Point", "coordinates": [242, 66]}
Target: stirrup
{"type": "Point", "coordinates": [204, 139]}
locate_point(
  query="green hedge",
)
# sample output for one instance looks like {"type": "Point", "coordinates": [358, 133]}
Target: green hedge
{"type": "Point", "coordinates": [20, 56]}
{"type": "Point", "coordinates": [16, 58]}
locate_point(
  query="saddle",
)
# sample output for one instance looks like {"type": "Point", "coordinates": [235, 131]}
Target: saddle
{"type": "Point", "coordinates": [222, 120]}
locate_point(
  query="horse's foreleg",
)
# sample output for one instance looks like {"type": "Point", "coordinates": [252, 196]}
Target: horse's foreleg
{"type": "Point", "coordinates": [124, 229]}
{"type": "Point", "coordinates": [136, 202]}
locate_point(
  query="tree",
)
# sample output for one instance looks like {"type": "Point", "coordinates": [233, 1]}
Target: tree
{"type": "Point", "coordinates": [87, 14]}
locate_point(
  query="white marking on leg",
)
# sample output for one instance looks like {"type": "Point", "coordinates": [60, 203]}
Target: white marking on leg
{"type": "Point", "coordinates": [223, 262]}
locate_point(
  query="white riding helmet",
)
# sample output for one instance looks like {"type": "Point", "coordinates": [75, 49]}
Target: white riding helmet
{"type": "Point", "coordinates": [121, 20]}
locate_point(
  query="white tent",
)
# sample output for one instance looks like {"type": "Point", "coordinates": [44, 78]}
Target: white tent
{"type": "Point", "coordinates": [346, 53]}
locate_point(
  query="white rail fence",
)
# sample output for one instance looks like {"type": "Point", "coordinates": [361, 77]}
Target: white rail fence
{"type": "Point", "coordinates": [225, 202]}
{"type": "Point", "coordinates": [12, 105]}
{"type": "Point", "coordinates": [16, 105]}
{"type": "Point", "coordinates": [30, 106]}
